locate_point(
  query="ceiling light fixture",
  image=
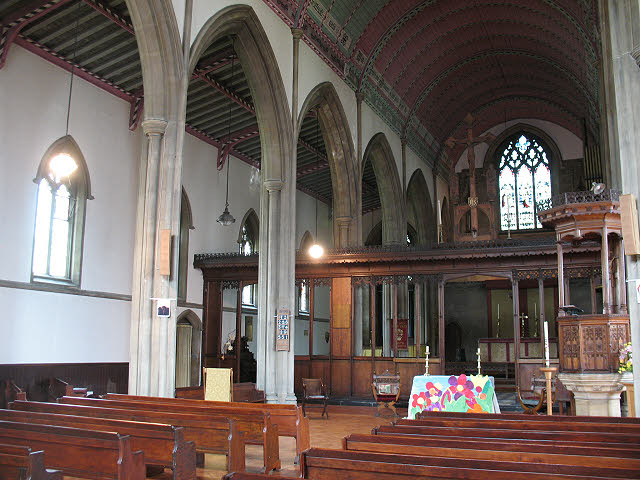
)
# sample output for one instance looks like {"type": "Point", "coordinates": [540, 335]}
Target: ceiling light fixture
{"type": "Point", "coordinates": [226, 218]}
{"type": "Point", "coordinates": [316, 250]}
{"type": "Point", "coordinates": [597, 188]}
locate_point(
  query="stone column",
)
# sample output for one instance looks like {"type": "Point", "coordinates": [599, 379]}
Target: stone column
{"type": "Point", "coordinates": [273, 188]}
{"type": "Point", "coordinates": [561, 302]}
{"type": "Point", "coordinates": [359, 167]}
{"type": "Point", "coordinates": [621, 60]}
{"type": "Point", "coordinates": [606, 279]}
{"type": "Point", "coordinates": [344, 224]}
{"type": "Point", "coordinates": [296, 35]}
{"type": "Point", "coordinates": [153, 339]}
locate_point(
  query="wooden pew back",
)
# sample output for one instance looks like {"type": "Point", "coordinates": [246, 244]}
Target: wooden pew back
{"type": "Point", "coordinates": [78, 452]}
{"type": "Point", "coordinates": [22, 462]}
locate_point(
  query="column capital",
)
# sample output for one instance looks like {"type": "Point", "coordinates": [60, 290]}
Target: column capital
{"type": "Point", "coordinates": [343, 220]}
{"type": "Point", "coordinates": [154, 126]}
{"type": "Point", "coordinates": [403, 141]}
{"type": "Point", "coordinates": [359, 96]}
{"type": "Point", "coordinates": [297, 33]}
{"type": "Point", "coordinates": [273, 185]}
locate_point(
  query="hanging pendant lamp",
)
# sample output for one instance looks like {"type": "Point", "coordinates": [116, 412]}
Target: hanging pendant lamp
{"type": "Point", "coordinates": [226, 218]}
{"type": "Point", "coordinates": [316, 250]}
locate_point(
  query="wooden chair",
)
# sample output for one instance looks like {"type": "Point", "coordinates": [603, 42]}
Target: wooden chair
{"type": "Point", "coordinates": [314, 391]}
{"type": "Point", "coordinates": [386, 391]}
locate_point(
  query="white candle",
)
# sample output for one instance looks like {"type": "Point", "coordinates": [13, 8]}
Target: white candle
{"type": "Point", "coordinates": [546, 344]}
{"type": "Point", "coordinates": [478, 360]}
{"type": "Point", "coordinates": [535, 310]}
{"type": "Point", "coordinates": [439, 214]}
{"type": "Point", "coordinates": [427, 350]}
{"type": "Point", "coordinates": [498, 311]}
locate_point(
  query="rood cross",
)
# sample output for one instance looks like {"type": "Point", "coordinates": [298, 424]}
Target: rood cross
{"type": "Point", "coordinates": [470, 142]}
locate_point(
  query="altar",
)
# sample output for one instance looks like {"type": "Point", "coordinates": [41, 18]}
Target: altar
{"type": "Point", "coordinates": [451, 393]}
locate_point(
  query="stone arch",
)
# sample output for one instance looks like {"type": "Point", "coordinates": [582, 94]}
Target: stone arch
{"type": "Point", "coordinates": [375, 235]}
{"type": "Point", "coordinates": [336, 133]}
{"type": "Point", "coordinates": [306, 242]}
{"type": "Point", "coordinates": [276, 264]}
{"type": "Point", "coordinates": [394, 224]}
{"type": "Point", "coordinates": [159, 46]}
{"type": "Point", "coordinates": [420, 209]}
{"type": "Point", "coordinates": [264, 79]}
{"type": "Point", "coordinates": [191, 318]}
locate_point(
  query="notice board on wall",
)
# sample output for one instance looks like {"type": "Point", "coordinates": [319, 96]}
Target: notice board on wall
{"type": "Point", "coordinates": [282, 330]}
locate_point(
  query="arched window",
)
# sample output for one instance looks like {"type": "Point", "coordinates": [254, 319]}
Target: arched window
{"type": "Point", "coordinates": [248, 245]}
{"type": "Point", "coordinates": [63, 187]}
{"type": "Point", "coordinates": [524, 181]}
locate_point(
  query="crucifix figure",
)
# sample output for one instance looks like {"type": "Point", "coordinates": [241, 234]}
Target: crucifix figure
{"type": "Point", "coordinates": [470, 142]}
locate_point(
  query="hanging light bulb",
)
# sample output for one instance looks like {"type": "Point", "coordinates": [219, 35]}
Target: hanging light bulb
{"type": "Point", "coordinates": [62, 166]}
{"type": "Point", "coordinates": [226, 218]}
{"type": "Point", "coordinates": [316, 250]}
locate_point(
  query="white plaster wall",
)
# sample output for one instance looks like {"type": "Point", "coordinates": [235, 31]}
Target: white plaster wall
{"type": "Point", "coordinates": [48, 327]}
{"type": "Point", "coordinates": [569, 144]}
{"type": "Point", "coordinates": [306, 220]}
{"type": "Point", "coordinates": [277, 32]}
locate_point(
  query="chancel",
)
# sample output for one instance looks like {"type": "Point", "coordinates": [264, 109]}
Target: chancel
{"type": "Point", "coordinates": [439, 193]}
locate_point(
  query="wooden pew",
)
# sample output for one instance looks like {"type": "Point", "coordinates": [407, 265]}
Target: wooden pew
{"type": "Point", "coordinates": [78, 452]}
{"type": "Point", "coordinates": [23, 463]}
{"type": "Point", "coordinates": [210, 434]}
{"type": "Point", "coordinates": [556, 424]}
{"type": "Point", "coordinates": [528, 418]}
{"type": "Point", "coordinates": [576, 438]}
{"type": "Point", "coordinates": [288, 418]}
{"type": "Point", "coordinates": [162, 444]}
{"type": "Point", "coordinates": [255, 426]}
{"type": "Point", "coordinates": [9, 392]}
{"type": "Point", "coordinates": [322, 464]}
{"type": "Point", "coordinates": [510, 451]}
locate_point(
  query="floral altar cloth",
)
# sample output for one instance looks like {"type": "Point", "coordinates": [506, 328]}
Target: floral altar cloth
{"type": "Point", "coordinates": [473, 393]}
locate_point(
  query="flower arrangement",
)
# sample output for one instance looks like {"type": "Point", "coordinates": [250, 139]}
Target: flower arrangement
{"type": "Point", "coordinates": [625, 358]}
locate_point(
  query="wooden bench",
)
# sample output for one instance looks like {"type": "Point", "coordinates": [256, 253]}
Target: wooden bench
{"type": "Point", "coordinates": [163, 445]}
{"type": "Point", "coordinates": [288, 418]}
{"type": "Point", "coordinates": [9, 392]}
{"type": "Point", "coordinates": [210, 434]}
{"type": "Point", "coordinates": [23, 463]}
{"type": "Point", "coordinates": [78, 452]}
{"type": "Point", "coordinates": [255, 426]}
{"type": "Point", "coordinates": [324, 464]}
{"type": "Point", "coordinates": [556, 424]}
{"type": "Point", "coordinates": [571, 437]}
{"type": "Point", "coordinates": [510, 451]}
{"type": "Point", "coordinates": [528, 418]}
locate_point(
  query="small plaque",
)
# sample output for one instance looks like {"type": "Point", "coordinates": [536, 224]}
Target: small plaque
{"type": "Point", "coordinates": [282, 330]}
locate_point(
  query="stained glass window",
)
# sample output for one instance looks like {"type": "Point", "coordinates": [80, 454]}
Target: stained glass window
{"type": "Point", "coordinates": [524, 180]}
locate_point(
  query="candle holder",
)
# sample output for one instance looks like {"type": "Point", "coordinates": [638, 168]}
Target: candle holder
{"type": "Point", "coordinates": [478, 361]}
{"type": "Point", "coordinates": [548, 372]}
{"type": "Point", "coordinates": [426, 362]}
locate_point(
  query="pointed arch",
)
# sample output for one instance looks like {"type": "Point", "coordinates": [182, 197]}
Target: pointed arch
{"type": "Point", "coordinates": [191, 319]}
{"type": "Point", "coordinates": [420, 209]}
{"type": "Point", "coordinates": [306, 242]}
{"type": "Point", "coordinates": [186, 225]}
{"type": "Point", "coordinates": [394, 224]}
{"type": "Point", "coordinates": [265, 82]}
{"type": "Point", "coordinates": [340, 155]}
{"type": "Point", "coordinates": [375, 235]}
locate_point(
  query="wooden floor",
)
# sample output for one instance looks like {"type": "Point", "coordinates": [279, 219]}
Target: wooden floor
{"type": "Point", "coordinates": [343, 420]}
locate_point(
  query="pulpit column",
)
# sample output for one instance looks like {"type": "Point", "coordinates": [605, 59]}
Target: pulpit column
{"type": "Point", "coordinates": [621, 289]}
{"type": "Point", "coordinates": [394, 319]}
{"type": "Point", "coordinates": [592, 285]}
{"type": "Point", "coordinates": [606, 282]}
{"type": "Point", "coordinates": [560, 279]}
{"type": "Point", "coordinates": [358, 314]}
{"type": "Point", "coordinates": [386, 320]}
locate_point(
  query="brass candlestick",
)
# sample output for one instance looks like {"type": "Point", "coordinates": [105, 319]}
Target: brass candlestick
{"type": "Point", "coordinates": [548, 372]}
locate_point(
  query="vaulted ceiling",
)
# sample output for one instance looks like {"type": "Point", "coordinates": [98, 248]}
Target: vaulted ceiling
{"type": "Point", "coordinates": [421, 64]}
{"type": "Point", "coordinates": [424, 64]}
